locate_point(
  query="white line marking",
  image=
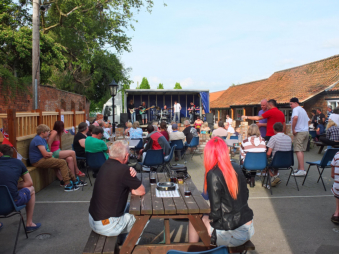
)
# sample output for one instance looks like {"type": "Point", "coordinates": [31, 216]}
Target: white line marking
{"type": "Point", "coordinates": [316, 196]}
{"type": "Point", "coordinates": [60, 202]}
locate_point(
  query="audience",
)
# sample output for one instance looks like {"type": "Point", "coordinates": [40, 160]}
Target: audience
{"type": "Point", "coordinates": [198, 123]}
{"type": "Point", "coordinates": [177, 135]}
{"type": "Point", "coordinates": [332, 134]}
{"type": "Point", "coordinates": [79, 140]}
{"type": "Point", "coordinates": [22, 192]}
{"type": "Point", "coordinates": [108, 210]}
{"type": "Point", "coordinates": [254, 144]}
{"type": "Point", "coordinates": [229, 128]}
{"type": "Point", "coordinates": [135, 131]}
{"type": "Point", "coordinates": [169, 128]}
{"type": "Point", "coordinates": [54, 147]}
{"type": "Point", "coordinates": [41, 158]}
{"type": "Point", "coordinates": [106, 134]}
{"type": "Point", "coordinates": [90, 130]}
{"type": "Point", "coordinates": [163, 130]}
{"type": "Point", "coordinates": [220, 131]}
{"type": "Point", "coordinates": [189, 131]}
{"type": "Point", "coordinates": [335, 116]}
{"type": "Point", "coordinates": [230, 221]}
{"type": "Point", "coordinates": [204, 128]}
{"type": "Point", "coordinates": [95, 144]}
{"type": "Point", "coordinates": [129, 126]}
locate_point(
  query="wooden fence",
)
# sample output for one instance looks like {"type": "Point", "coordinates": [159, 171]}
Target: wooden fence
{"type": "Point", "coordinates": [22, 125]}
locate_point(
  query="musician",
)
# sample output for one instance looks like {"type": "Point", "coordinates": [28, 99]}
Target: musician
{"type": "Point", "coordinates": [143, 112]}
{"type": "Point", "coordinates": [177, 108]}
{"type": "Point", "coordinates": [165, 113]}
{"type": "Point", "coordinates": [131, 111]}
{"type": "Point", "coordinates": [192, 110]}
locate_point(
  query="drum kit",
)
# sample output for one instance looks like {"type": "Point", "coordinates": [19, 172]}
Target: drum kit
{"type": "Point", "coordinates": [162, 115]}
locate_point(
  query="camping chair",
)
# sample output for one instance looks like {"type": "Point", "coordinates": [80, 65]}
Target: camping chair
{"type": "Point", "coordinates": [8, 209]}
{"type": "Point", "coordinates": [153, 158]}
{"type": "Point", "coordinates": [95, 161]}
{"type": "Point", "coordinates": [282, 160]}
{"type": "Point", "coordinates": [179, 147]}
{"type": "Point", "coordinates": [167, 160]}
{"type": "Point", "coordinates": [194, 144]}
{"type": "Point", "coordinates": [83, 159]}
{"type": "Point", "coordinates": [256, 161]}
{"type": "Point", "coordinates": [324, 163]}
{"type": "Point", "coordinates": [219, 250]}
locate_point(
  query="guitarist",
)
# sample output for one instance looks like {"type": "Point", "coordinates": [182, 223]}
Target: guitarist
{"type": "Point", "coordinates": [131, 111]}
{"type": "Point", "coordinates": [142, 108]}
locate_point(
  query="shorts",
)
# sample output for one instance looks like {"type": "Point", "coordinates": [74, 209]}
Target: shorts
{"type": "Point", "coordinates": [56, 154]}
{"type": "Point", "coordinates": [236, 237]}
{"type": "Point", "coordinates": [144, 116]}
{"type": "Point", "coordinates": [300, 141]}
{"type": "Point", "coordinates": [24, 197]}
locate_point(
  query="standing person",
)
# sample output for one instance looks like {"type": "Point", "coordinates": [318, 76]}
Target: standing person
{"type": "Point", "coordinates": [273, 115]}
{"type": "Point", "coordinates": [329, 112]}
{"type": "Point", "coordinates": [262, 124]}
{"type": "Point", "coordinates": [230, 221]}
{"type": "Point", "coordinates": [192, 110]}
{"type": "Point", "coordinates": [335, 188]}
{"type": "Point", "coordinates": [229, 120]}
{"type": "Point", "coordinates": [177, 108]}
{"type": "Point", "coordinates": [314, 120]}
{"type": "Point", "coordinates": [300, 131]}
{"type": "Point", "coordinates": [198, 123]}
{"type": "Point", "coordinates": [131, 111]}
{"type": "Point", "coordinates": [143, 108]}
{"type": "Point", "coordinates": [320, 117]}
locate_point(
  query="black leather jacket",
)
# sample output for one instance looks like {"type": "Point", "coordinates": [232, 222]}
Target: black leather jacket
{"type": "Point", "coordinates": [227, 213]}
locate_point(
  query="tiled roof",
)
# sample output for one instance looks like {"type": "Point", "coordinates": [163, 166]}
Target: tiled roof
{"type": "Point", "coordinates": [216, 95]}
{"type": "Point", "coordinates": [303, 82]}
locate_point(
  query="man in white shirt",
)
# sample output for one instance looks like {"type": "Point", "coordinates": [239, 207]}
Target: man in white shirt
{"type": "Point", "coordinates": [177, 108]}
{"type": "Point", "coordinates": [300, 131]}
{"type": "Point", "coordinates": [229, 128]}
{"type": "Point", "coordinates": [335, 116]}
{"type": "Point", "coordinates": [229, 120]}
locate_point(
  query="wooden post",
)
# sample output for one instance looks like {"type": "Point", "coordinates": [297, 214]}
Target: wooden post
{"type": "Point", "coordinates": [40, 116]}
{"type": "Point", "coordinates": [218, 115]}
{"type": "Point", "coordinates": [59, 115]}
{"type": "Point", "coordinates": [74, 121]}
{"type": "Point", "coordinates": [244, 111]}
{"type": "Point", "coordinates": [232, 113]}
{"type": "Point", "coordinates": [12, 126]}
{"type": "Point", "coordinates": [84, 116]}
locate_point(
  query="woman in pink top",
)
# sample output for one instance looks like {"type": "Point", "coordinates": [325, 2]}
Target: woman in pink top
{"type": "Point", "coordinates": [54, 147]}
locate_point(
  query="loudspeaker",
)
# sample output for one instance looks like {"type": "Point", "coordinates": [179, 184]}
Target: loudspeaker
{"type": "Point", "coordinates": [123, 118]}
{"type": "Point", "coordinates": [209, 118]}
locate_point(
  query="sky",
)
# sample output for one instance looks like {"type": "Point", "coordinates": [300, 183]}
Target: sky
{"type": "Point", "coordinates": [216, 43]}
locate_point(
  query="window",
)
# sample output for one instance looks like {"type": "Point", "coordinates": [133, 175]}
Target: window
{"type": "Point", "coordinates": [288, 113]}
{"type": "Point", "coordinates": [333, 103]}
{"type": "Point", "coordinates": [238, 113]}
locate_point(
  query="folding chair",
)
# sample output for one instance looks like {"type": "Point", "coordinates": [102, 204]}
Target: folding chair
{"type": "Point", "coordinates": [324, 163]}
{"type": "Point", "coordinates": [167, 160]}
{"type": "Point", "coordinates": [234, 137]}
{"type": "Point", "coordinates": [179, 147]}
{"type": "Point", "coordinates": [82, 159]}
{"type": "Point", "coordinates": [95, 161]}
{"type": "Point", "coordinates": [8, 209]}
{"type": "Point", "coordinates": [153, 158]}
{"type": "Point", "coordinates": [256, 161]}
{"type": "Point", "coordinates": [139, 146]}
{"type": "Point", "coordinates": [219, 250]}
{"type": "Point", "coordinates": [194, 144]}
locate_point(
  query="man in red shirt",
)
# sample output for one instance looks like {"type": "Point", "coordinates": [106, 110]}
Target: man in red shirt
{"type": "Point", "coordinates": [273, 115]}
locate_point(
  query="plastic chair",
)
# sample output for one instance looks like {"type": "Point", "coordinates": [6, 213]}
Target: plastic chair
{"type": "Point", "coordinates": [139, 146]}
{"type": "Point", "coordinates": [167, 160]}
{"type": "Point", "coordinates": [234, 137]}
{"type": "Point", "coordinates": [283, 160]}
{"type": "Point", "coordinates": [256, 161]}
{"type": "Point", "coordinates": [179, 146]}
{"type": "Point", "coordinates": [8, 209]}
{"type": "Point", "coordinates": [194, 144]}
{"type": "Point", "coordinates": [95, 161]}
{"type": "Point", "coordinates": [83, 159]}
{"type": "Point", "coordinates": [313, 134]}
{"type": "Point", "coordinates": [219, 250]}
{"type": "Point", "coordinates": [153, 158]}
{"type": "Point", "coordinates": [223, 137]}
{"type": "Point", "coordinates": [324, 163]}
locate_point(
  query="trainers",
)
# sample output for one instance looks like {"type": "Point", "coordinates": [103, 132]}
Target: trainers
{"type": "Point", "coordinates": [80, 183]}
{"type": "Point", "coordinates": [275, 182]}
{"type": "Point", "coordinates": [62, 183]}
{"type": "Point", "coordinates": [299, 173]}
{"type": "Point", "coordinates": [295, 170]}
{"type": "Point", "coordinates": [71, 187]}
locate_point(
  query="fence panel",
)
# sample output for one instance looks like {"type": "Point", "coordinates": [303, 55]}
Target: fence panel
{"type": "Point", "coordinates": [79, 117]}
{"type": "Point", "coordinates": [49, 118]}
{"type": "Point", "coordinates": [26, 124]}
{"type": "Point", "coordinates": [68, 119]}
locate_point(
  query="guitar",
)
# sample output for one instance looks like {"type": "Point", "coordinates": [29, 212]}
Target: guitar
{"type": "Point", "coordinates": [132, 110]}
{"type": "Point", "coordinates": [143, 111]}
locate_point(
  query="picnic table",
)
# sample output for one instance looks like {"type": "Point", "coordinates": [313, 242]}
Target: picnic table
{"type": "Point", "coordinates": [322, 145]}
{"type": "Point", "coordinates": [132, 143]}
{"type": "Point", "coordinates": [150, 206]}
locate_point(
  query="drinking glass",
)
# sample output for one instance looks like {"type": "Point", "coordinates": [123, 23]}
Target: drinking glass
{"type": "Point", "coordinates": [153, 176]}
{"type": "Point", "coordinates": [173, 176]}
{"type": "Point", "coordinates": [187, 189]}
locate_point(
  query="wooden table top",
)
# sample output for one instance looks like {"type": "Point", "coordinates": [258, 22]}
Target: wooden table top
{"type": "Point", "coordinates": [150, 204]}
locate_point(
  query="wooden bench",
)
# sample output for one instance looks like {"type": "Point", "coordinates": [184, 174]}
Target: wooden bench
{"type": "Point", "coordinates": [242, 248]}
{"type": "Point", "coordinates": [41, 177]}
{"type": "Point", "coordinates": [101, 244]}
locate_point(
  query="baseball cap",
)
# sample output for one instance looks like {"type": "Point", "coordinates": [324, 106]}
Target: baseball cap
{"type": "Point", "coordinates": [174, 126]}
{"type": "Point", "coordinates": [294, 99]}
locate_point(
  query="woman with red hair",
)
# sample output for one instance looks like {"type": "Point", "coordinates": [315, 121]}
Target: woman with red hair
{"type": "Point", "coordinates": [230, 222]}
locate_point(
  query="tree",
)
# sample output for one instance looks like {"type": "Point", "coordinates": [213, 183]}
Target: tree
{"type": "Point", "coordinates": [160, 86]}
{"type": "Point", "coordinates": [177, 86]}
{"type": "Point", "coordinates": [144, 84]}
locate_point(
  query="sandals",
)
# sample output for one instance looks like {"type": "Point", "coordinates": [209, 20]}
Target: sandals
{"type": "Point", "coordinates": [81, 174]}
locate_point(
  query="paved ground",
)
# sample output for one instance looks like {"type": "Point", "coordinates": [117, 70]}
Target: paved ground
{"type": "Point", "coordinates": [289, 221]}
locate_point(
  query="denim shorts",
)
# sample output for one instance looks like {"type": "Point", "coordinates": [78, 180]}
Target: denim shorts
{"type": "Point", "coordinates": [24, 197]}
{"type": "Point", "coordinates": [236, 237]}
{"type": "Point", "coordinates": [116, 225]}
{"type": "Point", "coordinates": [144, 116]}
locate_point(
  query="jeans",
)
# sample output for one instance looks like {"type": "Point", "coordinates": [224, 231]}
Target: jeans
{"type": "Point", "coordinates": [133, 117]}
{"type": "Point", "coordinates": [191, 118]}
{"type": "Point", "coordinates": [176, 117]}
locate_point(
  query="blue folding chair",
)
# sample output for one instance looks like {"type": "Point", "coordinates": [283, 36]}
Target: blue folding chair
{"type": "Point", "coordinates": [83, 159]}
{"type": "Point", "coordinates": [255, 161]}
{"type": "Point", "coordinates": [283, 160]}
{"type": "Point", "coordinates": [324, 163]}
{"type": "Point", "coordinates": [95, 161]}
{"type": "Point", "coordinates": [8, 209]}
{"type": "Point", "coordinates": [313, 134]}
{"type": "Point", "coordinates": [153, 159]}
{"type": "Point", "coordinates": [179, 146]}
{"type": "Point", "coordinates": [167, 160]}
{"type": "Point", "coordinates": [194, 144]}
{"type": "Point", "coordinates": [139, 146]}
{"type": "Point", "coordinates": [234, 137]}
{"type": "Point", "coordinates": [223, 137]}
{"type": "Point", "coordinates": [219, 250]}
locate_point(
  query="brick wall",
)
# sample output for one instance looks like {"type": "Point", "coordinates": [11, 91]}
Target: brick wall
{"type": "Point", "coordinates": [318, 101]}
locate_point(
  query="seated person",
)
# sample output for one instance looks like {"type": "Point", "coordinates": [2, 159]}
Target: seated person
{"type": "Point", "coordinates": [106, 133]}
{"type": "Point", "coordinates": [229, 128]}
{"type": "Point", "coordinates": [135, 131]}
{"type": "Point", "coordinates": [237, 131]}
{"type": "Point", "coordinates": [255, 144]}
{"type": "Point", "coordinates": [177, 135]}
{"type": "Point", "coordinates": [189, 131]}
{"type": "Point", "coordinates": [39, 157]}
{"type": "Point", "coordinates": [95, 144]}
{"type": "Point", "coordinates": [220, 131]}
{"type": "Point", "coordinates": [54, 147]}
{"type": "Point", "coordinates": [278, 142]}
{"type": "Point", "coordinates": [79, 140]}
{"type": "Point", "coordinates": [22, 192]}
{"type": "Point", "coordinates": [129, 126]}
{"type": "Point", "coordinates": [204, 128]}
{"type": "Point", "coordinates": [108, 209]}
{"type": "Point", "coordinates": [230, 222]}
{"type": "Point", "coordinates": [169, 128]}
{"type": "Point", "coordinates": [163, 130]}
{"type": "Point", "coordinates": [332, 134]}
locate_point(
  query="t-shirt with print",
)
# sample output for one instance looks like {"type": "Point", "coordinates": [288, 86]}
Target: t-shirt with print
{"type": "Point", "coordinates": [280, 142]}
{"type": "Point", "coordinates": [320, 118]}
{"type": "Point", "coordinates": [111, 190]}
{"type": "Point", "coordinates": [11, 170]}
{"type": "Point", "coordinates": [273, 116]}
{"type": "Point", "coordinates": [94, 145]}
{"type": "Point", "coordinates": [34, 153]}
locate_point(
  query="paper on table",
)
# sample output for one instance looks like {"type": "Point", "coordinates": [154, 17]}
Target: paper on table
{"type": "Point", "coordinates": [167, 194]}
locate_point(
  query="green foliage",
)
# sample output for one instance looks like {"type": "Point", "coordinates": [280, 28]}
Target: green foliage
{"type": "Point", "coordinates": [177, 86]}
{"type": "Point", "coordinates": [160, 86]}
{"type": "Point", "coordinates": [144, 84]}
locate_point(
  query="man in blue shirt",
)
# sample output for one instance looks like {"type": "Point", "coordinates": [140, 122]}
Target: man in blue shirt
{"type": "Point", "coordinates": [263, 122]}
{"type": "Point", "coordinates": [22, 192]}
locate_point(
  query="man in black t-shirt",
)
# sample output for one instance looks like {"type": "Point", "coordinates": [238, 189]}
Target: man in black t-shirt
{"type": "Point", "coordinates": [320, 117]}
{"type": "Point", "coordinates": [79, 140]}
{"type": "Point", "coordinates": [189, 132]}
{"type": "Point", "coordinates": [108, 210]}
{"type": "Point", "coordinates": [131, 111]}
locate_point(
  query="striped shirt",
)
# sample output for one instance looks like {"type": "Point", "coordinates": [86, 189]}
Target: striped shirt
{"type": "Point", "coordinates": [280, 142]}
{"type": "Point", "coordinates": [335, 164]}
{"type": "Point", "coordinates": [252, 144]}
